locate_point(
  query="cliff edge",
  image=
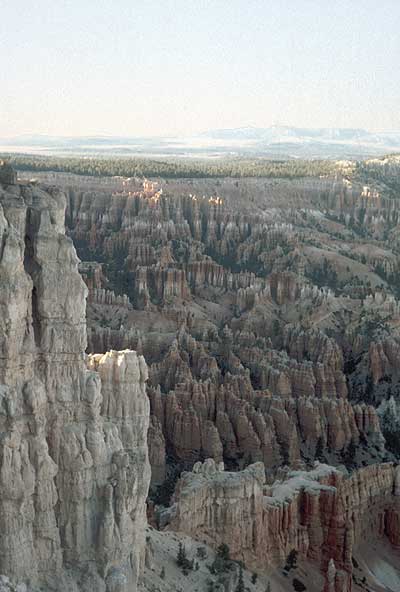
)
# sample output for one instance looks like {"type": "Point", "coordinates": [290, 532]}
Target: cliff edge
{"type": "Point", "coordinates": [74, 468]}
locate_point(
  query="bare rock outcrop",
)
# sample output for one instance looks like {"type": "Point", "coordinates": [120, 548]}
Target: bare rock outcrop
{"type": "Point", "coordinates": [322, 514]}
{"type": "Point", "coordinates": [74, 468]}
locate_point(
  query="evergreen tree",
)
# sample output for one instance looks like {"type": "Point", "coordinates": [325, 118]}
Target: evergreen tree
{"type": "Point", "coordinates": [319, 450]}
{"type": "Point", "coordinates": [349, 455]}
{"type": "Point", "coordinates": [223, 551]}
{"type": "Point", "coordinates": [143, 167]}
{"type": "Point", "coordinates": [291, 560]}
{"type": "Point", "coordinates": [182, 559]}
{"type": "Point", "coordinates": [240, 584]}
{"type": "Point", "coordinates": [369, 389]}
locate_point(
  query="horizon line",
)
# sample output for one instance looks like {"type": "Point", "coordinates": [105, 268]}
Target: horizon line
{"type": "Point", "coordinates": [194, 134]}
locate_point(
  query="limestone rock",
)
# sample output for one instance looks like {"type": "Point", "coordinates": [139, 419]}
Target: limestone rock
{"type": "Point", "coordinates": [322, 514]}
{"type": "Point", "coordinates": [74, 468]}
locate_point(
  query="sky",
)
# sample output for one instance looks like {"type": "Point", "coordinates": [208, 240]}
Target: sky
{"type": "Point", "coordinates": [179, 67]}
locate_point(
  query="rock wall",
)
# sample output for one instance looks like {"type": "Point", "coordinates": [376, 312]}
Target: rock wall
{"type": "Point", "coordinates": [74, 468]}
{"type": "Point", "coordinates": [322, 514]}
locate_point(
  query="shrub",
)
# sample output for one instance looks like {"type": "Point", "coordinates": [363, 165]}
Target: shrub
{"type": "Point", "coordinates": [223, 552]}
{"type": "Point", "coordinates": [291, 560]}
{"type": "Point", "coordinates": [201, 552]}
{"type": "Point", "coordinates": [298, 585]}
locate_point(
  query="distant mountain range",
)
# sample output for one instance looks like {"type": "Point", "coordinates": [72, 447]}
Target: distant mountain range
{"type": "Point", "coordinates": [271, 142]}
{"type": "Point", "coordinates": [275, 134]}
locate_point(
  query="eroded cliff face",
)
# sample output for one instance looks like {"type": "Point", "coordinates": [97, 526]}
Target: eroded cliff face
{"type": "Point", "coordinates": [74, 468]}
{"type": "Point", "coordinates": [322, 514]}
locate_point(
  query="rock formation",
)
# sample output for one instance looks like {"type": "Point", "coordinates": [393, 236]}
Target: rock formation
{"type": "Point", "coordinates": [173, 259]}
{"type": "Point", "coordinates": [322, 514]}
{"type": "Point", "coordinates": [203, 413]}
{"type": "Point", "coordinates": [74, 468]}
{"type": "Point", "coordinates": [267, 311]}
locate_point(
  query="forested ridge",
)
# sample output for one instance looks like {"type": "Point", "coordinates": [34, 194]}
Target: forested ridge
{"type": "Point", "coordinates": [141, 167]}
{"type": "Point", "coordinates": [384, 172]}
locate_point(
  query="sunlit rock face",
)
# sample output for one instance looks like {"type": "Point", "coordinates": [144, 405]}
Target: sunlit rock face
{"type": "Point", "coordinates": [74, 468]}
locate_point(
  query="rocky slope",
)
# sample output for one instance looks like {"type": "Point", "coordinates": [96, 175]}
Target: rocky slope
{"type": "Point", "coordinates": [74, 468]}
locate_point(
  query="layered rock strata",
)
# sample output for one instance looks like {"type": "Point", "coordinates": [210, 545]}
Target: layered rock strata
{"type": "Point", "coordinates": [322, 514]}
{"type": "Point", "coordinates": [74, 468]}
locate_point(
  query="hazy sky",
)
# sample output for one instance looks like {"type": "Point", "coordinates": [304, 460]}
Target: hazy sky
{"type": "Point", "coordinates": [170, 67]}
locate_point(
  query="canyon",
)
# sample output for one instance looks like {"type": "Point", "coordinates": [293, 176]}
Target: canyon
{"type": "Point", "coordinates": [235, 341]}
{"type": "Point", "coordinates": [251, 300]}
